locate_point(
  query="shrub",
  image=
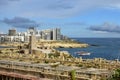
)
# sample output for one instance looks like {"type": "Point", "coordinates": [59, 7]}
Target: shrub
{"type": "Point", "coordinates": [73, 75]}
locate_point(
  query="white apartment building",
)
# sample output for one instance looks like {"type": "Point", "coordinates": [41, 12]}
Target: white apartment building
{"type": "Point", "coordinates": [14, 36]}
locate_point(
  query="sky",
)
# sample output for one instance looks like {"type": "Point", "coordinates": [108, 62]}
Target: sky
{"type": "Point", "coordinates": [76, 18]}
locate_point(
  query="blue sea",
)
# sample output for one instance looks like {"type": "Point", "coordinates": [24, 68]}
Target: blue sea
{"type": "Point", "coordinates": [108, 48]}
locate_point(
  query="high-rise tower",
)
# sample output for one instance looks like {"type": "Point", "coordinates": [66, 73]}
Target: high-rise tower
{"type": "Point", "coordinates": [56, 34]}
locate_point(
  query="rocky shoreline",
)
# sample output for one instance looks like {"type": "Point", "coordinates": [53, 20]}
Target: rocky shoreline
{"type": "Point", "coordinates": [63, 44]}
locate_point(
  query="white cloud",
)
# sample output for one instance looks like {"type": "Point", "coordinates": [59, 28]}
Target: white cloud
{"type": "Point", "coordinates": [54, 8]}
{"type": "Point", "coordinates": [100, 32]}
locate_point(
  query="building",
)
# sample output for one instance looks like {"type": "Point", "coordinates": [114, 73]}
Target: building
{"type": "Point", "coordinates": [51, 34]}
{"type": "Point", "coordinates": [12, 32]}
{"type": "Point", "coordinates": [14, 39]}
{"type": "Point", "coordinates": [48, 34]}
{"type": "Point", "coordinates": [2, 37]}
{"type": "Point", "coordinates": [56, 34]}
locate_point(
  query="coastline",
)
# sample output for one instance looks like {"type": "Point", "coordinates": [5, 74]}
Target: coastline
{"type": "Point", "coordinates": [63, 44]}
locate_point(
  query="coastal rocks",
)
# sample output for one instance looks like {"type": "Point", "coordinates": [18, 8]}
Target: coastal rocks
{"type": "Point", "coordinates": [65, 45]}
{"type": "Point", "coordinates": [71, 45]}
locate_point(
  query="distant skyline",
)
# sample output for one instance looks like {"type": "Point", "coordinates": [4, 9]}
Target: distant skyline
{"type": "Point", "coordinates": [76, 18]}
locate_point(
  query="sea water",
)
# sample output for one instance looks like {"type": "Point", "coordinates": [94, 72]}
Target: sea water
{"type": "Point", "coordinates": [108, 48]}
